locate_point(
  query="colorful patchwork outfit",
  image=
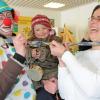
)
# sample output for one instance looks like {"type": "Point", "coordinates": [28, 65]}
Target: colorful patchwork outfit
{"type": "Point", "coordinates": [23, 89]}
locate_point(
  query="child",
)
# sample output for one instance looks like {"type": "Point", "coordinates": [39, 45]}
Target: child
{"type": "Point", "coordinates": [41, 56]}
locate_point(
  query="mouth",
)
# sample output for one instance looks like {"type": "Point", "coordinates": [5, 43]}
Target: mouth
{"type": "Point", "coordinates": [6, 28]}
{"type": "Point", "coordinates": [94, 29]}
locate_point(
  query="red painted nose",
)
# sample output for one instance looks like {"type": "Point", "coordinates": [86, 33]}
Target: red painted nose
{"type": "Point", "coordinates": [7, 22]}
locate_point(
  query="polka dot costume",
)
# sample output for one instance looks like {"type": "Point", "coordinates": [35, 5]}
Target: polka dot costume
{"type": "Point", "coordinates": [23, 89]}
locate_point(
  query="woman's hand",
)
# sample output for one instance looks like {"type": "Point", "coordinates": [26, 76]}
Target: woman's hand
{"type": "Point", "coordinates": [57, 49]}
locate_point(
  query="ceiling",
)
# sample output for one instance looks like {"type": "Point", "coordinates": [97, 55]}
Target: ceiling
{"type": "Point", "coordinates": [39, 3]}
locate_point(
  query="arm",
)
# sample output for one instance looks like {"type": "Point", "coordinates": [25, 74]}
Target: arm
{"type": "Point", "coordinates": [13, 67]}
{"type": "Point", "coordinates": [8, 76]}
{"type": "Point", "coordinates": [64, 80]}
{"type": "Point", "coordinates": [87, 80]}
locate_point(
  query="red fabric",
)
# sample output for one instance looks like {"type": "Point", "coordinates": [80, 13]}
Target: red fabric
{"type": "Point", "coordinates": [41, 19]}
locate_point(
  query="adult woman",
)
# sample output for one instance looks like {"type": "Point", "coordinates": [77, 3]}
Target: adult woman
{"type": "Point", "coordinates": [86, 38]}
{"type": "Point", "coordinates": [79, 75]}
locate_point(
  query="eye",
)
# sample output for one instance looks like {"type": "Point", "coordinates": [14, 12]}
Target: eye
{"type": "Point", "coordinates": [98, 18]}
{"type": "Point", "coordinates": [1, 17]}
{"type": "Point", "coordinates": [44, 28]}
{"type": "Point", "coordinates": [95, 18]}
{"type": "Point", "coordinates": [9, 15]}
{"type": "Point", "coordinates": [37, 30]}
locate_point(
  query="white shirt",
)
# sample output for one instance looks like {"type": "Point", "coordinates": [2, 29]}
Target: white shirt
{"type": "Point", "coordinates": [79, 79]}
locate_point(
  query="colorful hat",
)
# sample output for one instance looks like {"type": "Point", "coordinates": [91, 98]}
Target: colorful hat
{"type": "Point", "coordinates": [41, 19]}
{"type": "Point", "coordinates": [4, 6]}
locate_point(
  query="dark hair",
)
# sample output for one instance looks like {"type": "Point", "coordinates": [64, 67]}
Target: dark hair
{"type": "Point", "coordinates": [82, 48]}
{"type": "Point", "coordinates": [97, 7]}
{"type": "Point", "coordinates": [13, 13]}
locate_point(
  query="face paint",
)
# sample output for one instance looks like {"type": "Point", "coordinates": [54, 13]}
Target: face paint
{"type": "Point", "coordinates": [6, 23]}
{"type": "Point", "coordinates": [6, 30]}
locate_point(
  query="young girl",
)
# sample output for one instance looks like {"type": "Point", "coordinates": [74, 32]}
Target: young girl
{"type": "Point", "coordinates": [41, 56]}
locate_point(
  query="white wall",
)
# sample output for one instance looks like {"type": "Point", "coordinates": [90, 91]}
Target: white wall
{"type": "Point", "coordinates": [77, 19]}
{"type": "Point", "coordinates": [32, 12]}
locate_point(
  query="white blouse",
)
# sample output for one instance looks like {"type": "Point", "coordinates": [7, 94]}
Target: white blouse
{"type": "Point", "coordinates": [80, 78]}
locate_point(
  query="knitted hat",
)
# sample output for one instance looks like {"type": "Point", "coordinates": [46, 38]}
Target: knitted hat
{"type": "Point", "coordinates": [41, 19]}
{"type": "Point", "coordinates": [4, 6]}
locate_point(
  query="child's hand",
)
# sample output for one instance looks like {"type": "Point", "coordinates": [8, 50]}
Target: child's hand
{"type": "Point", "coordinates": [35, 53]}
{"type": "Point", "coordinates": [51, 85]}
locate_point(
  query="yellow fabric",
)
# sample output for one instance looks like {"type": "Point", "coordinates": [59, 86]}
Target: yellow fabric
{"type": "Point", "coordinates": [68, 37]}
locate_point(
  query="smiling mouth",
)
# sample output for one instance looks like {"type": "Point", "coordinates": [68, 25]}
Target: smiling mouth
{"type": "Point", "coordinates": [94, 30]}
{"type": "Point", "coordinates": [7, 27]}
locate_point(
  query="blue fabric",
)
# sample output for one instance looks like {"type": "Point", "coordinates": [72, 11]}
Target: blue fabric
{"type": "Point", "coordinates": [4, 6]}
{"type": "Point", "coordinates": [42, 94]}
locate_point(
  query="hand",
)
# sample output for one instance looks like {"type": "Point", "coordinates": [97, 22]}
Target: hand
{"type": "Point", "coordinates": [35, 53]}
{"type": "Point", "coordinates": [20, 44]}
{"type": "Point", "coordinates": [51, 85]}
{"type": "Point", "coordinates": [57, 49]}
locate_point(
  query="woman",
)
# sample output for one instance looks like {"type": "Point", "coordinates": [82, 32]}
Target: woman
{"type": "Point", "coordinates": [79, 75]}
{"type": "Point", "coordinates": [86, 38]}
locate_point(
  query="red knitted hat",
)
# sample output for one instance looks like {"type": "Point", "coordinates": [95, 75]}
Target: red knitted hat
{"type": "Point", "coordinates": [41, 19]}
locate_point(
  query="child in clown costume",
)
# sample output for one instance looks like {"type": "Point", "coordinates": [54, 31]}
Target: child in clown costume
{"type": "Point", "coordinates": [23, 89]}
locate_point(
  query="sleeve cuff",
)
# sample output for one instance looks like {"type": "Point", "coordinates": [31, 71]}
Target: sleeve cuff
{"type": "Point", "coordinates": [19, 58]}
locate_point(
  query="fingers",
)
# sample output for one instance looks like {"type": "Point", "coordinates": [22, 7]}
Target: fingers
{"type": "Point", "coordinates": [20, 44]}
{"type": "Point", "coordinates": [20, 38]}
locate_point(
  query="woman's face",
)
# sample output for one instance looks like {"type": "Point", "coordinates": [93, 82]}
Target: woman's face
{"type": "Point", "coordinates": [94, 26]}
{"type": "Point", "coordinates": [41, 31]}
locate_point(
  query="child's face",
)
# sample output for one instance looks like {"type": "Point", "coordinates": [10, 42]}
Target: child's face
{"type": "Point", "coordinates": [41, 31]}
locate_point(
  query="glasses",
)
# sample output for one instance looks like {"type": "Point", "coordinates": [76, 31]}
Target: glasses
{"type": "Point", "coordinates": [4, 15]}
{"type": "Point", "coordinates": [94, 18]}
